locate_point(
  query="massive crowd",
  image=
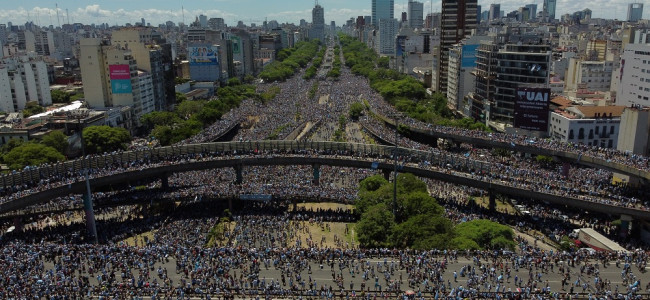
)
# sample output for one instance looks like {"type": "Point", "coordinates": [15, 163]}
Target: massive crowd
{"type": "Point", "coordinates": [269, 251]}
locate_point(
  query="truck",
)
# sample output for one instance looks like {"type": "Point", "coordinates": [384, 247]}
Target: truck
{"type": "Point", "coordinates": [598, 241]}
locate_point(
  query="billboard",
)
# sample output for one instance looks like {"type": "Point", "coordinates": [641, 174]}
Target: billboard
{"type": "Point", "coordinates": [203, 55]}
{"type": "Point", "coordinates": [469, 56]}
{"type": "Point", "coordinates": [120, 76]}
{"type": "Point", "coordinates": [531, 108]}
{"type": "Point", "coordinates": [236, 44]}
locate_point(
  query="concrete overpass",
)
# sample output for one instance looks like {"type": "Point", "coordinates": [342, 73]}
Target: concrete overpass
{"type": "Point", "coordinates": [430, 134]}
{"type": "Point", "coordinates": [239, 154]}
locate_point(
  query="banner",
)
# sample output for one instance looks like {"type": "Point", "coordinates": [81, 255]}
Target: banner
{"type": "Point", "coordinates": [531, 108]}
{"type": "Point", "coordinates": [203, 55]}
{"type": "Point", "coordinates": [236, 44]}
{"type": "Point", "coordinates": [120, 76]}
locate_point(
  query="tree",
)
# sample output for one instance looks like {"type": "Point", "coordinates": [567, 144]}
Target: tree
{"type": "Point", "coordinates": [31, 154]}
{"type": "Point", "coordinates": [32, 108]}
{"type": "Point", "coordinates": [180, 97]}
{"type": "Point", "coordinates": [188, 108]}
{"type": "Point", "coordinates": [383, 62]}
{"type": "Point", "coordinates": [420, 232]}
{"type": "Point", "coordinates": [487, 234]}
{"type": "Point", "coordinates": [375, 227]}
{"type": "Point", "coordinates": [163, 134]}
{"type": "Point", "coordinates": [356, 110]}
{"type": "Point", "coordinates": [248, 79]}
{"type": "Point", "coordinates": [59, 96]}
{"type": "Point", "coordinates": [100, 139]}
{"type": "Point", "coordinates": [372, 183]}
{"type": "Point", "coordinates": [57, 140]}
{"type": "Point", "coordinates": [156, 118]}
{"type": "Point", "coordinates": [234, 82]}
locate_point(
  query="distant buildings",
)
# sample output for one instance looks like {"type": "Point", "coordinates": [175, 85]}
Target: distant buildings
{"type": "Point", "coordinates": [415, 14]}
{"type": "Point", "coordinates": [458, 21]}
{"type": "Point", "coordinates": [634, 12]}
{"type": "Point", "coordinates": [382, 9]}
{"type": "Point", "coordinates": [549, 10]}
{"type": "Point", "coordinates": [317, 30]}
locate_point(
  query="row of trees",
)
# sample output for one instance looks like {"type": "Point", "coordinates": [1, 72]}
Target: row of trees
{"type": "Point", "coordinates": [406, 93]}
{"type": "Point", "coordinates": [417, 221]}
{"type": "Point", "coordinates": [190, 117]}
{"type": "Point", "coordinates": [288, 61]}
{"type": "Point", "coordinates": [335, 72]}
{"type": "Point", "coordinates": [315, 64]}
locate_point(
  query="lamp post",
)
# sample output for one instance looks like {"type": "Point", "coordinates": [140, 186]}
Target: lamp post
{"type": "Point", "coordinates": [81, 114]}
{"type": "Point", "coordinates": [395, 171]}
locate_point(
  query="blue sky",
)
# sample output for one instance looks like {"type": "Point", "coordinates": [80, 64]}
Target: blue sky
{"type": "Point", "coordinates": [158, 11]}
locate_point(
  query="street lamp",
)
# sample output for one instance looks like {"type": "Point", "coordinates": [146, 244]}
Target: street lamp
{"type": "Point", "coordinates": [395, 171]}
{"type": "Point", "coordinates": [81, 114]}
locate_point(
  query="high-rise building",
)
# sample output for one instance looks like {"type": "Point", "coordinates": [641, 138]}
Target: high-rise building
{"type": "Point", "coordinates": [317, 30]}
{"type": "Point", "coordinates": [549, 9]}
{"type": "Point", "coordinates": [457, 22]}
{"type": "Point", "coordinates": [532, 9]}
{"type": "Point", "coordinates": [382, 9]}
{"type": "Point", "coordinates": [203, 21]}
{"type": "Point", "coordinates": [500, 70]}
{"type": "Point", "coordinates": [415, 14]}
{"type": "Point", "coordinates": [386, 36]}
{"type": "Point", "coordinates": [23, 79]}
{"type": "Point", "coordinates": [634, 12]}
{"type": "Point", "coordinates": [495, 11]}
{"type": "Point", "coordinates": [216, 23]}
{"type": "Point", "coordinates": [151, 57]}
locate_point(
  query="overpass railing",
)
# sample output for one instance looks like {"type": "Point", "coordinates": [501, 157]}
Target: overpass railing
{"type": "Point", "coordinates": [51, 175]}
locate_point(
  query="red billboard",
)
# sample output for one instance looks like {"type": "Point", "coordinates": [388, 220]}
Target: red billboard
{"type": "Point", "coordinates": [531, 108]}
{"type": "Point", "coordinates": [119, 72]}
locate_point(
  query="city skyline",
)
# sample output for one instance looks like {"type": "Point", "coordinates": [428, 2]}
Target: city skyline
{"type": "Point", "coordinates": [117, 12]}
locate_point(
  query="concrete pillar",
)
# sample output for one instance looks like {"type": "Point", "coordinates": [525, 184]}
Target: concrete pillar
{"type": "Point", "coordinates": [386, 174]}
{"type": "Point", "coordinates": [493, 201]}
{"type": "Point", "coordinates": [164, 181]}
{"type": "Point", "coordinates": [316, 180]}
{"type": "Point", "coordinates": [240, 177]}
{"type": "Point", "coordinates": [626, 225]}
{"type": "Point", "coordinates": [294, 202]}
{"type": "Point", "coordinates": [18, 224]}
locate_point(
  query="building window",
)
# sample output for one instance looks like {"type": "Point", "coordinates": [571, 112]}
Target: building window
{"type": "Point", "coordinates": [571, 134]}
{"type": "Point", "coordinates": [591, 134]}
{"type": "Point", "coordinates": [597, 129]}
{"type": "Point", "coordinates": [581, 134]}
{"type": "Point", "coordinates": [610, 144]}
{"type": "Point", "coordinates": [611, 130]}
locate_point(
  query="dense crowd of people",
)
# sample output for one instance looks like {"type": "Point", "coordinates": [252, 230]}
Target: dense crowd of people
{"type": "Point", "coordinates": [267, 250]}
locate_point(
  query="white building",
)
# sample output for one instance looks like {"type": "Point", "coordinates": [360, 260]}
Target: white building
{"type": "Point", "coordinates": [590, 125]}
{"type": "Point", "coordinates": [147, 98]}
{"type": "Point", "coordinates": [594, 76]}
{"type": "Point", "coordinates": [634, 86]}
{"type": "Point", "coordinates": [23, 79]}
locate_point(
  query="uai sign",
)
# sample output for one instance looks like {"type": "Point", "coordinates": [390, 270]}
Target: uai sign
{"type": "Point", "coordinates": [531, 108]}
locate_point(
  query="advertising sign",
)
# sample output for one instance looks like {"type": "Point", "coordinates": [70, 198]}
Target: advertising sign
{"type": "Point", "coordinates": [120, 76]}
{"type": "Point", "coordinates": [469, 56]}
{"type": "Point", "coordinates": [204, 55]}
{"type": "Point", "coordinates": [531, 108]}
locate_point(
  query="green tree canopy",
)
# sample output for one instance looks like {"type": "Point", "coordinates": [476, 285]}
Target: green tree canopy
{"type": "Point", "coordinates": [32, 108]}
{"type": "Point", "coordinates": [59, 96]}
{"type": "Point", "coordinates": [423, 231]}
{"type": "Point", "coordinates": [486, 234]}
{"type": "Point", "coordinates": [57, 140]}
{"type": "Point", "coordinates": [100, 139]}
{"type": "Point", "coordinates": [356, 110]}
{"type": "Point", "coordinates": [375, 226]}
{"type": "Point", "coordinates": [31, 154]}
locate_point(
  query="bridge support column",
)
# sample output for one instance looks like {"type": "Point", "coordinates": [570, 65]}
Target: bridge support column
{"type": "Point", "coordinates": [164, 181]}
{"type": "Point", "coordinates": [230, 204]}
{"type": "Point", "coordinates": [626, 225]}
{"type": "Point", "coordinates": [493, 201]}
{"type": "Point", "coordinates": [240, 178]}
{"type": "Point", "coordinates": [294, 203]}
{"type": "Point", "coordinates": [386, 174]}
{"type": "Point", "coordinates": [18, 224]}
{"type": "Point", "coordinates": [316, 180]}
